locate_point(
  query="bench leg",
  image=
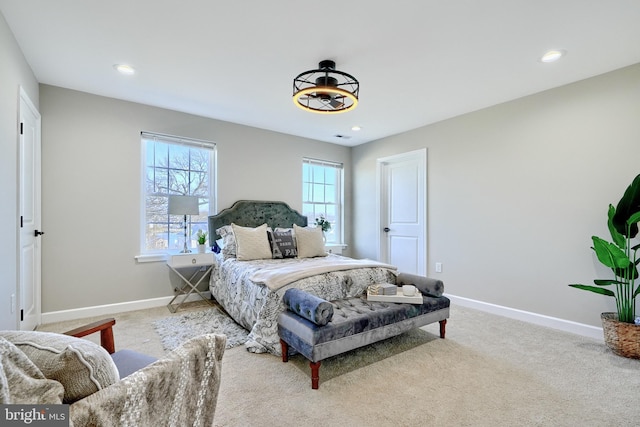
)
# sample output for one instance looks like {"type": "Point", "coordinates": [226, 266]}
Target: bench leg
{"type": "Point", "coordinates": [315, 367]}
{"type": "Point", "coordinates": [442, 327]}
{"type": "Point", "coordinates": [315, 374]}
{"type": "Point", "coordinates": [285, 350]}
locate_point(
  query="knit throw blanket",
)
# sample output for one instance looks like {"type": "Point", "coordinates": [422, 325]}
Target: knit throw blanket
{"type": "Point", "coordinates": [276, 276]}
{"type": "Point", "coordinates": [21, 382]}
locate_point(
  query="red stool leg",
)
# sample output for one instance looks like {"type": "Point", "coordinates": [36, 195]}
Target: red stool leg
{"type": "Point", "coordinates": [442, 327]}
{"type": "Point", "coordinates": [285, 350]}
{"type": "Point", "coordinates": [315, 374]}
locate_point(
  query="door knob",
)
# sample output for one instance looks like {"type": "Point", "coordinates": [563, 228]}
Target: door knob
{"type": "Point", "coordinates": [386, 229]}
{"type": "Point", "coordinates": [38, 233]}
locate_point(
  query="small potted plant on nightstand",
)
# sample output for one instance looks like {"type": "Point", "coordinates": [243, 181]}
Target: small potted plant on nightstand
{"type": "Point", "coordinates": [202, 241]}
{"type": "Point", "coordinates": [621, 331]}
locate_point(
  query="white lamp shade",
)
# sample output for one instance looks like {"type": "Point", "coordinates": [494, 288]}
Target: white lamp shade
{"type": "Point", "coordinates": [183, 205]}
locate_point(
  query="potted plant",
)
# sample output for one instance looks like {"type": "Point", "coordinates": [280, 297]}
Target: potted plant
{"type": "Point", "coordinates": [202, 240]}
{"type": "Point", "coordinates": [324, 225]}
{"type": "Point", "coordinates": [621, 334]}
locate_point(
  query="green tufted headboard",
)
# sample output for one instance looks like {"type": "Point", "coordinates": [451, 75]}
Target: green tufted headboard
{"type": "Point", "coordinates": [253, 213]}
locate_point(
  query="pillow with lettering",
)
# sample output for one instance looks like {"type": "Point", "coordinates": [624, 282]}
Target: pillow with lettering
{"type": "Point", "coordinates": [283, 244]}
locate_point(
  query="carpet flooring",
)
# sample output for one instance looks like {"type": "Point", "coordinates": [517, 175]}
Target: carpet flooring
{"type": "Point", "coordinates": [175, 330]}
{"type": "Point", "coordinates": [489, 371]}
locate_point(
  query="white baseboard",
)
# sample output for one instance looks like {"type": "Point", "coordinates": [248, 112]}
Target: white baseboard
{"type": "Point", "coordinates": [529, 317]}
{"type": "Point", "coordinates": [109, 309]}
{"type": "Point", "coordinates": [512, 313]}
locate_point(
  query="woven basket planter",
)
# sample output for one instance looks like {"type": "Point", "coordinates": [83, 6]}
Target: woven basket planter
{"type": "Point", "coordinates": [622, 338]}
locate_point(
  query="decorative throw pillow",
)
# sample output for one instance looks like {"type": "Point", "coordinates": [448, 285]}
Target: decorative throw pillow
{"type": "Point", "coordinates": [310, 242]}
{"type": "Point", "coordinates": [228, 241]}
{"type": "Point", "coordinates": [81, 366]}
{"type": "Point", "coordinates": [283, 244]}
{"type": "Point", "coordinates": [290, 229]}
{"type": "Point", "coordinates": [220, 243]}
{"type": "Point", "coordinates": [251, 243]}
{"type": "Point", "coordinates": [21, 382]}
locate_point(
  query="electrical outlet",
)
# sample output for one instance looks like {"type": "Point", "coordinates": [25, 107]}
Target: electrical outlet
{"type": "Point", "coordinates": [13, 303]}
{"type": "Point", "coordinates": [438, 267]}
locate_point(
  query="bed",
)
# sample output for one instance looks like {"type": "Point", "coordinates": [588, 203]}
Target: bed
{"type": "Point", "coordinates": [251, 291]}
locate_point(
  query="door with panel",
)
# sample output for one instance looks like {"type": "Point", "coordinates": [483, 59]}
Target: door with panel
{"type": "Point", "coordinates": [29, 221]}
{"type": "Point", "coordinates": [403, 211]}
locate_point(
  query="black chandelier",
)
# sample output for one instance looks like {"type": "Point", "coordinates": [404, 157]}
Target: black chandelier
{"type": "Point", "coordinates": [326, 90]}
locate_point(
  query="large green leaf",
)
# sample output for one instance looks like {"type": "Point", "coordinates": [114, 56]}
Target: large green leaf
{"type": "Point", "coordinates": [601, 291]}
{"type": "Point", "coordinates": [629, 272]}
{"type": "Point", "coordinates": [618, 238]}
{"type": "Point", "coordinates": [607, 282]}
{"type": "Point", "coordinates": [609, 254]}
{"type": "Point", "coordinates": [628, 205]}
{"type": "Point", "coordinates": [634, 218]}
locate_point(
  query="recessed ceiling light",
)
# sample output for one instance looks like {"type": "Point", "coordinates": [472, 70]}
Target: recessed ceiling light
{"type": "Point", "coordinates": [553, 55]}
{"type": "Point", "coordinates": [356, 128]}
{"type": "Point", "coordinates": [125, 69]}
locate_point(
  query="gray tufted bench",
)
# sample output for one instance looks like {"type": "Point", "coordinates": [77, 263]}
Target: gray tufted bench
{"type": "Point", "coordinates": [318, 329]}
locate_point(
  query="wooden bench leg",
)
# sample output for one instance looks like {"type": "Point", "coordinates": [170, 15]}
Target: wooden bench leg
{"type": "Point", "coordinates": [285, 350]}
{"type": "Point", "coordinates": [315, 374]}
{"type": "Point", "coordinates": [442, 327]}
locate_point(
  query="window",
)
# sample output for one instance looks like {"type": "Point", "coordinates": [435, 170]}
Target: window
{"type": "Point", "coordinates": [174, 165]}
{"type": "Point", "coordinates": [322, 195]}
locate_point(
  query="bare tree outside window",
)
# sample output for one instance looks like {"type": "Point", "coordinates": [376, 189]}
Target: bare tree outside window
{"type": "Point", "coordinates": [174, 168]}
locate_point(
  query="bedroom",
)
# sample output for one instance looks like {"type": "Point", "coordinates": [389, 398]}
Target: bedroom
{"type": "Point", "coordinates": [555, 153]}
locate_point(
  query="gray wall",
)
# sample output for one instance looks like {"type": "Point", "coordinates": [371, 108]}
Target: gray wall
{"type": "Point", "coordinates": [516, 191]}
{"type": "Point", "coordinates": [91, 189]}
{"type": "Point", "coordinates": [14, 72]}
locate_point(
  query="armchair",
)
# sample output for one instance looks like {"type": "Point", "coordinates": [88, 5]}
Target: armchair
{"type": "Point", "coordinates": [127, 361]}
{"type": "Point", "coordinates": [179, 389]}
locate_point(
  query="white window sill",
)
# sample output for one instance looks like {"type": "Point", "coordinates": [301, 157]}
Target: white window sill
{"type": "Point", "coordinates": [162, 257]}
{"type": "Point", "coordinates": [336, 245]}
{"type": "Point", "coordinates": [335, 248]}
{"type": "Point", "coordinates": [151, 258]}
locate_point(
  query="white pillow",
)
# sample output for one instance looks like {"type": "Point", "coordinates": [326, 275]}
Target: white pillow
{"type": "Point", "coordinates": [309, 242]}
{"type": "Point", "coordinates": [251, 243]}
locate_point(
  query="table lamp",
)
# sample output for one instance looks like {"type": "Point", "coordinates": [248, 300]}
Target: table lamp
{"type": "Point", "coordinates": [184, 205]}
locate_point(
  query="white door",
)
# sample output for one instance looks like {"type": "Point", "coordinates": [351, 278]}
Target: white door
{"type": "Point", "coordinates": [402, 192]}
{"type": "Point", "coordinates": [29, 221]}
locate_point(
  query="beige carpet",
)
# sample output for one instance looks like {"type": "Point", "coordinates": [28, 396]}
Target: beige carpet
{"type": "Point", "coordinates": [489, 371]}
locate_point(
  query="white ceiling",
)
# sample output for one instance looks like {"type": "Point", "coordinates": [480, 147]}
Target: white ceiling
{"type": "Point", "coordinates": [418, 61]}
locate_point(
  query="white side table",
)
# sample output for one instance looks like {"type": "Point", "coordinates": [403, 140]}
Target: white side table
{"type": "Point", "coordinates": [183, 261]}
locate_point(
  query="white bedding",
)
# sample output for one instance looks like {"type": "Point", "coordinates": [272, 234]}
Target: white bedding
{"type": "Point", "coordinates": [256, 307]}
{"type": "Point", "coordinates": [278, 275]}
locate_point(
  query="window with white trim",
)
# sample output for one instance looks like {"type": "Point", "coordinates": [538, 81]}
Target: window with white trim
{"type": "Point", "coordinates": [322, 195]}
{"type": "Point", "coordinates": [180, 166]}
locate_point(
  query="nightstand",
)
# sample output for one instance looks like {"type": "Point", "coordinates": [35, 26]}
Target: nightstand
{"type": "Point", "coordinates": [204, 261]}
